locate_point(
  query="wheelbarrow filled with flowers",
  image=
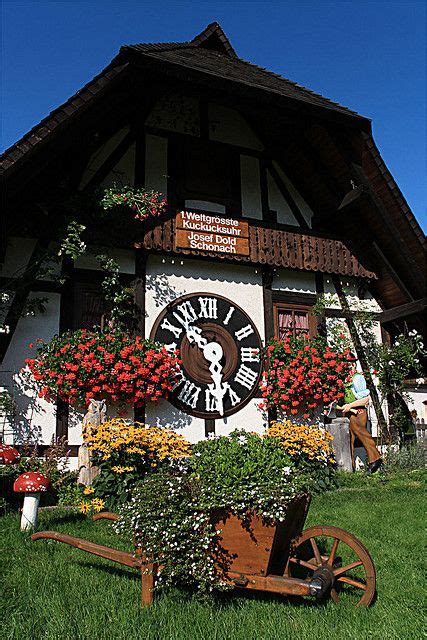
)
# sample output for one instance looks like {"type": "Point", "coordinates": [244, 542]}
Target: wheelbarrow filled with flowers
{"type": "Point", "coordinates": [232, 515]}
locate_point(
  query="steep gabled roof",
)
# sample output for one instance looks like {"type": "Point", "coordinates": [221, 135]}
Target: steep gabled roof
{"type": "Point", "coordinates": [210, 52]}
{"type": "Point", "coordinates": [239, 71]}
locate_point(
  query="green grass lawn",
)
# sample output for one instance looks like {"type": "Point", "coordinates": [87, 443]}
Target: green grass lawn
{"type": "Point", "coordinates": [50, 590]}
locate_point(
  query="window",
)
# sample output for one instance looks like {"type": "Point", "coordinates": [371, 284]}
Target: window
{"type": "Point", "coordinates": [294, 320]}
{"type": "Point", "coordinates": [89, 305]}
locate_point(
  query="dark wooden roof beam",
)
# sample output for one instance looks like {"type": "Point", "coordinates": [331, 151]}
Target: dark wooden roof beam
{"type": "Point", "coordinates": [403, 311]}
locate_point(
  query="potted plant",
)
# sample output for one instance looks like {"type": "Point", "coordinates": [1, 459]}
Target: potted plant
{"type": "Point", "coordinates": [196, 514]}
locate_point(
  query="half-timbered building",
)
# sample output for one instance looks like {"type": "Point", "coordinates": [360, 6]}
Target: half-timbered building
{"type": "Point", "coordinates": [275, 195]}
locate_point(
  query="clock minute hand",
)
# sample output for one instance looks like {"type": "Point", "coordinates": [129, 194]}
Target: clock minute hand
{"type": "Point", "coordinates": [212, 352]}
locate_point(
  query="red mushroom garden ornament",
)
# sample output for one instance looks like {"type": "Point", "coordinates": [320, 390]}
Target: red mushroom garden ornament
{"type": "Point", "coordinates": [32, 484]}
{"type": "Point", "coordinates": [8, 454]}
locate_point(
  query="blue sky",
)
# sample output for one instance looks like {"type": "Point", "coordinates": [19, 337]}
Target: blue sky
{"type": "Point", "coordinates": [368, 55]}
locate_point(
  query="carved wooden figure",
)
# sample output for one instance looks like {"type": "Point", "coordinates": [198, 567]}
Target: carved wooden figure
{"type": "Point", "coordinates": [94, 416]}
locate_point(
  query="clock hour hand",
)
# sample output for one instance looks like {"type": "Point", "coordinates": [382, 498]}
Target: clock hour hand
{"type": "Point", "coordinates": [212, 352]}
{"type": "Point", "coordinates": [194, 335]}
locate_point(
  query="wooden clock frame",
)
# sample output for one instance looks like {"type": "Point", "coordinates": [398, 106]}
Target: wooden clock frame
{"type": "Point", "coordinates": [230, 367]}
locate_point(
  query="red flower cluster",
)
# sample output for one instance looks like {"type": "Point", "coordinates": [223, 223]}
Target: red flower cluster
{"type": "Point", "coordinates": [302, 374]}
{"type": "Point", "coordinates": [80, 365]}
{"type": "Point", "coordinates": [142, 202]}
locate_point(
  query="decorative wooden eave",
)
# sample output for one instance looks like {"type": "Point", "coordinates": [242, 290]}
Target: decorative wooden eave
{"type": "Point", "coordinates": [273, 247]}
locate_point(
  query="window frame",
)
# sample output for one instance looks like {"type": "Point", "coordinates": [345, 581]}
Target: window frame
{"type": "Point", "coordinates": [284, 306]}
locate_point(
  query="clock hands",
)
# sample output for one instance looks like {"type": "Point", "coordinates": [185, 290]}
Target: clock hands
{"type": "Point", "coordinates": [212, 352]}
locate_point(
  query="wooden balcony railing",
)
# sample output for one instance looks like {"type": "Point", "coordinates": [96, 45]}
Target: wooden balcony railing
{"type": "Point", "coordinates": [274, 247]}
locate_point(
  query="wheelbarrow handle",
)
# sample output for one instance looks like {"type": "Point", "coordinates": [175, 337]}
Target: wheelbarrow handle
{"type": "Point", "coordinates": [105, 515]}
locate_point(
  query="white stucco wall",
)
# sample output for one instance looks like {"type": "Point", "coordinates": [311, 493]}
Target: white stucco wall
{"type": "Point", "coordinates": [169, 278]}
{"type": "Point", "coordinates": [305, 210]}
{"type": "Point", "coordinates": [229, 126]}
{"type": "Point", "coordinates": [156, 163]}
{"type": "Point", "coordinates": [35, 417]}
{"type": "Point", "coordinates": [277, 202]}
{"type": "Point", "coordinates": [175, 112]}
{"type": "Point", "coordinates": [417, 399]}
{"type": "Point", "coordinates": [250, 187]}
{"type": "Point", "coordinates": [294, 281]}
{"type": "Point", "coordinates": [17, 254]}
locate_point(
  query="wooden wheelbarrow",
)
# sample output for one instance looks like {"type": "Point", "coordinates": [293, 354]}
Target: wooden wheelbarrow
{"type": "Point", "coordinates": [279, 558]}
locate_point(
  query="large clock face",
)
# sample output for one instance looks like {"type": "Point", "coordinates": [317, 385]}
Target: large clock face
{"type": "Point", "coordinates": [220, 349]}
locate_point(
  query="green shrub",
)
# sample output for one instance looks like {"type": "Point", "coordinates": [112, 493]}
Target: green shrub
{"type": "Point", "coordinates": [409, 456]}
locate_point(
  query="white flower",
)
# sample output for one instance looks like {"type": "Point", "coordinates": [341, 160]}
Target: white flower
{"type": "Point", "coordinates": [287, 471]}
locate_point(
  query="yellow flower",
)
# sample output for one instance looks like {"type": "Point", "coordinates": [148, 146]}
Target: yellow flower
{"type": "Point", "coordinates": [98, 504]}
{"type": "Point", "coordinates": [121, 469]}
{"type": "Point", "coordinates": [84, 506]}
{"type": "Point", "coordinates": [117, 435]}
{"type": "Point", "coordinates": [88, 490]}
{"type": "Point", "coordinates": [309, 440]}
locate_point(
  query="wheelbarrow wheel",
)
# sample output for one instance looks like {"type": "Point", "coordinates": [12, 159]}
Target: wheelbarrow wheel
{"type": "Point", "coordinates": [342, 553]}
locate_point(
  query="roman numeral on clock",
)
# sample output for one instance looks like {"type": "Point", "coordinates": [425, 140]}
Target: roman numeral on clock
{"type": "Point", "coordinates": [244, 332]}
{"type": "Point", "coordinates": [249, 354]}
{"type": "Point", "coordinates": [246, 377]}
{"type": "Point", "coordinates": [188, 315]}
{"type": "Point", "coordinates": [208, 307]}
{"type": "Point", "coordinates": [210, 401]}
{"type": "Point", "coordinates": [171, 327]}
{"type": "Point", "coordinates": [228, 316]}
{"type": "Point", "coordinates": [189, 394]}
{"type": "Point", "coordinates": [234, 398]}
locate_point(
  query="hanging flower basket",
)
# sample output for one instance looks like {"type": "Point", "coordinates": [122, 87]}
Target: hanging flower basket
{"type": "Point", "coordinates": [142, 203]}
{"type": "Point", "coordinates": [303, 374]}
{"type": "Point", "coordinates": [82, 365]}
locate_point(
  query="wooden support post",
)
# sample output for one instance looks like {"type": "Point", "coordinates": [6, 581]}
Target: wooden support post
{"type": "Point", "coordinates": [66, 321]}
{"type": "Point", "coordinates": [361, 356]}
{"type": "Point", "coordinates": [209, 427]}
{"type": "Point", "coordinates": [320, 290]}
{"type": "Point", "coordinates": [267, 282]}
{"type": "Point", "coordinates": [147, 584]}
{"type": "Point", "coordinates": [140, 288]}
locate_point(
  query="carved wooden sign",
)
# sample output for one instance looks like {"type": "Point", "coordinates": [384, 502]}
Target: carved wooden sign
{"type": "Point", "coordinates": [206, 232]}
